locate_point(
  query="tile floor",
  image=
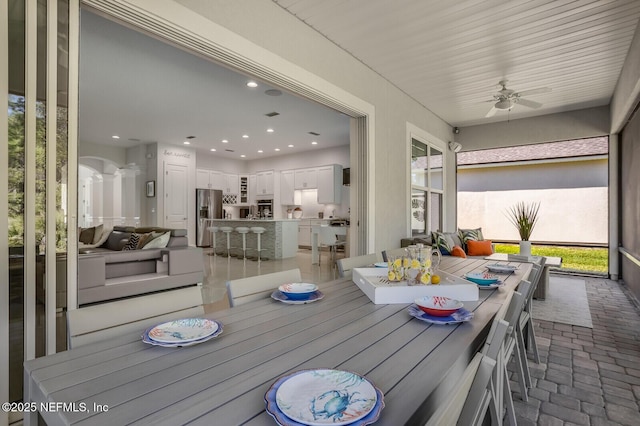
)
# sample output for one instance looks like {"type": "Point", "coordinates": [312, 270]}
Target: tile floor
{"type": "Point", "coordinates": [219, 269]}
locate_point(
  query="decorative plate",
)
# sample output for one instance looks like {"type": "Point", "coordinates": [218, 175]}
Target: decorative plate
{"type": "Point", "coordinates": [491, 286]}
{"type": "Point", "coordinates": [461, 315]}
{"type": "Point", "coordinates": [183, 330]}
{"type": "Point", "coordinates": [281, 297]}
{"type": "Point", "coordinates": [149, 340]}
{"type": "Point", "coordinates": [298, 291]}
{"type": "Point", "coordinates": [501, 269]}
{"type": "Point", "coordinates": [482, 278]}
{"type": "Point", "coordinates": [438, 306]}
{"type": "Point", "coordinates": [381, 264]}
{"type": "Point", "coordinates": [324, 396]}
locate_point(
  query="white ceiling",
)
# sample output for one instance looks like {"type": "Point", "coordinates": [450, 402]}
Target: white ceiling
{"type": "Point", "coordinates": [139, 88]}
{"type": "Point", "coordinates": [450, 55]}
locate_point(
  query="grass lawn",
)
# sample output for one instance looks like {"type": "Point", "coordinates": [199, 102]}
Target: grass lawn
{"type": "Point", "coordinates": [584, 259]}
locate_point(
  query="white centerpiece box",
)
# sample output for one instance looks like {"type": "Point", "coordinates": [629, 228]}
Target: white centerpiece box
{"type": "Point", "coordinates": [374, 283]}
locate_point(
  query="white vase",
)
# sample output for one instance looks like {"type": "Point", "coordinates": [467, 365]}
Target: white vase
{"type": "Point", "coordinates": [525, 248]}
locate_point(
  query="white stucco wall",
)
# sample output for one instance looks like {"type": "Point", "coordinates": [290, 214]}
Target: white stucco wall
{"type": "Point", "coordinates": [566, 215]}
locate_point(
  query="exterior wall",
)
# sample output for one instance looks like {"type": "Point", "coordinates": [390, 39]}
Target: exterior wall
{"type": "Point", "coordinates": [573, 200]}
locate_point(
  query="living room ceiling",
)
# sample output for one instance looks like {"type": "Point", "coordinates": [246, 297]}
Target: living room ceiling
{"type": "Point", "coordinates": [450, 55]}
{"type": "Point", "coordinates": [143, 91]}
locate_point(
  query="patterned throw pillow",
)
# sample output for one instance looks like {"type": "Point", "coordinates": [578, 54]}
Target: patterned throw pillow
{"type": "Point", "coordinates": [443, 241]}
{"type": "Point", "coordinates": [160, 242]}
{"type": "Point", "coordinates": [467, 235]}
{"type": "Point", "coordinates": [132, 244]}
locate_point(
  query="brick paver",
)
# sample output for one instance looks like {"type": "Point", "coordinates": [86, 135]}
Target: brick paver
{"type": "Point", "coordinates": [587, 376]}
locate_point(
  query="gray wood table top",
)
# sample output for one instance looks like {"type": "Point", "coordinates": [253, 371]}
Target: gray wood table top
{"type": "Point", "coordinates": [223, 381]}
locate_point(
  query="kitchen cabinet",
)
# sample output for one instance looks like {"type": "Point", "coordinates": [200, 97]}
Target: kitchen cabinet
{"type": "Point", "coordinates": [304, 234]}
{"type": "Point", "coordinates": [208, 179]}
{"type": "Point", "coordinates": [213, 179]}
{"type": "Point", "coordinates": [330, 184]}
{"type": "Point", "coordinates": [244, 190]}
{"type": "Point", "coordinates": [253, 190]}
{"type": "Point", "coordinates": [306, 179]}
{"type": "Point", "coordinates": [286, 187]}
{"type": "Point", "coordinates": [264, 183]}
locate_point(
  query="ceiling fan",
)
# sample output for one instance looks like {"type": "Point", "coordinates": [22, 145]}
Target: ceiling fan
{"type": "Point", "coordinates": [506, 99]}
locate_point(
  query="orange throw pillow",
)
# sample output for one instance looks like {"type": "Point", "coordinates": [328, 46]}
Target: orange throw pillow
{"type": "Point", "coordinates": [457, 251]}
{"type": "Point", "coordinates": [479, 248]}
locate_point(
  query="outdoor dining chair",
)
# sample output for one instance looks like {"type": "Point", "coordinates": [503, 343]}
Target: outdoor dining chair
{"type": "Point", "coordinates": [97, 322]}
{"type": "Point", "coordinates": [525, 326]}
{"type": "Point", "coordinates": [393, 252]}
{"type": "Point", "coordinates": [245, 290]}
{"type": "Point", "coordinates": [346, 265]}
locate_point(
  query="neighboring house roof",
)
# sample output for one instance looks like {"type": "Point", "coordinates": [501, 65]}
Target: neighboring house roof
{"type": "Point", "coordinates": [542, 151]}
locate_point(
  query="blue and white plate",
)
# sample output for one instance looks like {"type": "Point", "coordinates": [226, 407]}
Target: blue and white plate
{"type": "Point", "coordinates": [482, 278]}
{"type": "Point", "coordinates": [381, 264]}
{"type": "Point", "coordinates": [281, 297]}
{"type": "Point", "coordinates": [501, 269]}
{"type": "Point", "coordinates": [146, 338]}
{"type": "Point", "coordinates": [324, 397]}
{"type": "Point", "coordinates": [183, 330]}
{"type": "Point", "coordinates": [497, 284]}
{"type": "Point", "coordinates": [461, 315]}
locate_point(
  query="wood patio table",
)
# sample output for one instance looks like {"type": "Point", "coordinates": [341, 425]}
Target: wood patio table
{"type": "Point", "coordinates": [223, 381]}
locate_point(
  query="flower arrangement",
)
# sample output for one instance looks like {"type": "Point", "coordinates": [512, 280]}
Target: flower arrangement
{"type": "Point", "coordinates": [524, 216]}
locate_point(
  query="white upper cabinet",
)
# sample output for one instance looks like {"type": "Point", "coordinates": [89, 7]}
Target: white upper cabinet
{"type": "Point", "coordinates": [253, 189]}
{"type": "Point", "coordinates": [264, 184]}
{"type": "Point", "coordinates": [306, 179]}
{"type": "Point", "coordinates": [212, 179]}
{"type": "Point", "coordinates": [330, 184]}
{"type": "Point", "coordinates": [286, 187]}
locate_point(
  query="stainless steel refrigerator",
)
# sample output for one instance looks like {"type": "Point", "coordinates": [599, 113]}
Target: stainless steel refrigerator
{"type": "Point", "coordinates": [208, 206]}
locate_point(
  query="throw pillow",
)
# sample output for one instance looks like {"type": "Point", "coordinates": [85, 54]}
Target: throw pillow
{"type": "Point", "coordinates": [443, 241]}
{"type": "Point", "coordinates": [86, 235]}
{"type": "Point", "coordinates": [144, 239]}
{"type": "Point", "coordinates": [97, 233]}
{"type": "Point", "coordinates": [470, 235]}
{"type": "Point", "coordinates": [479, 248]}
{"type": "Point", "coordinates": [132, 244]}
{"type": "Point", "coordinates": [160, 242]}
{"type": "Point", "coordinates": [457, 251]}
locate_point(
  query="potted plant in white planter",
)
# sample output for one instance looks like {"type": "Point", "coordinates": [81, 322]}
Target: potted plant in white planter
{"type": "Point", "coordinates": [524, 216]}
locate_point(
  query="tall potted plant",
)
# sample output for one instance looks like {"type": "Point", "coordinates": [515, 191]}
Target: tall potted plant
{"type": "Point", "coordinates": [524, 216]}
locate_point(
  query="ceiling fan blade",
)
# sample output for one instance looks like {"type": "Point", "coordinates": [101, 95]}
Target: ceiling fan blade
{"type": "Point", "coordinates": [534, 91]}
{"type": "Point", "coordinates": [491, 112]}
{"type": "Point", "coordinates": [528, 103]}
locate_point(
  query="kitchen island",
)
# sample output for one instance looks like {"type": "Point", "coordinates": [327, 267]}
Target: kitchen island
{"type": "Point", "coordinates": [280, 240]}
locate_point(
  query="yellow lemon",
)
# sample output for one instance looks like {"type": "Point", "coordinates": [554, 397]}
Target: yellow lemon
{"type": "Point", "coordinates": [397, 263]}
{"type": "Point", "coordinates": [391, 275]}
{"type": "Point", "coordinates": [406, 262]}
{"type": "Point", "coordinates": [415, 264]}
{"type": "Point", "coordinates": [435, 279]}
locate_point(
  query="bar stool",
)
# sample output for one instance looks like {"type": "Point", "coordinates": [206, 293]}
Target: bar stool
{"type": "Point", "coordinates": [258, 230]}
{"type": "Point", "coordinates": [243, 230]}
{"type": "Point", "coordinates": [227, 230]}
{"type": "Point", "coordinates": [213, 230]}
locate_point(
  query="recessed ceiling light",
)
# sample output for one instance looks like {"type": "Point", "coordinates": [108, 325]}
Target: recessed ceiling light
{"type": "Point", "coordinates": [213, 149]}
{"type": "Point", "coordinates": [252, 84]}
{"type": "Point", "coordinates": [290, 146]}
{"type": "Point", "coordinates": [243, 156]}
{"type": "Point", "coordinates": [260, 151]}
{"type": "Point", "coordinates": [269, 130]}
{"type": "Point", "coordinates": [186, 143]}
{"type": "Point", "coordinates": [245, 136]}
{"type": "Point", "coordinates": [277, 149]}
{"type": "Point", "coordinates": [314, 143]}
{"type": "Point", "coordinates": [115, 137]}
{"type": "Point", "coordinates": [225, 141]}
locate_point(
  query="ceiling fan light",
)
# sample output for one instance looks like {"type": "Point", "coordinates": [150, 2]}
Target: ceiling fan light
{"type": "Point", "coordinates": [504, 104]}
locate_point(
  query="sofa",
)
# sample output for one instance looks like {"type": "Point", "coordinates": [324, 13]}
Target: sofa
{"type": "Point", "coordinates": [447, 241]}
{"type": "Point", "coordinates": [116, 268]}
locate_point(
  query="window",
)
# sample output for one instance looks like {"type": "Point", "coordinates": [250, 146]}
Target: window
{"type": "Point", "coordinates": [427, 187]}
